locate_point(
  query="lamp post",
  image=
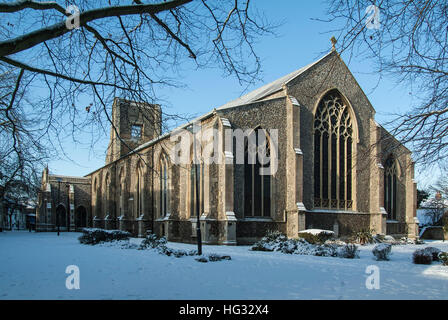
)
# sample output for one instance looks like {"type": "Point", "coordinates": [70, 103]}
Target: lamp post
{"type": "Point", "coordinates": [198, 227]}
{"type": "Point", "coordinates": [152, 190]}
{"type": "Point", "coordinates": [194, 130]}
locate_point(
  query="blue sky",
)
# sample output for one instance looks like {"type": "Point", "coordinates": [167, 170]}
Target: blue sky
{"type": "Point", "coordinates": [299, 41]}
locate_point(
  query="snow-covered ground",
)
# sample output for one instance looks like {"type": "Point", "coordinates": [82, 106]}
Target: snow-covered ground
{"type": "Point", "coordinates": [32, 266]}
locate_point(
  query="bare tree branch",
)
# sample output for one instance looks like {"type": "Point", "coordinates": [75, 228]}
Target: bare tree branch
{"type": "Point", "coordinates": [411, 45]}
{"type": "Point", "coordinates": [29, 4]}
{"type": "Point", "coordinates": [31, 39]}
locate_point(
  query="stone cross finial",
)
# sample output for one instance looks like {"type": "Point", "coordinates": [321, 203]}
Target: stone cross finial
{"type": "Point", "coordinates": [333, 42]}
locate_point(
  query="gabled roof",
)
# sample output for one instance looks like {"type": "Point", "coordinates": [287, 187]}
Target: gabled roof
{"type": "Point", "coordinates": [269, 88]}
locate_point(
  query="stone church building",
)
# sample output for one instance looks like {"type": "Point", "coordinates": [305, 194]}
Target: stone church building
{"type": "Point", "coordinates": [336, 168]}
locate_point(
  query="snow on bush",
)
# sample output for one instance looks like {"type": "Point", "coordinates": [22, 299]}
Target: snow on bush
{"type": "Point", "coordinates": [216, 257]}
{"type": "Point", "coordinates": [212, 258]}
{"type": "Point", "coordinates": [406, 240]}
{"type": "Point", "coordinates": [201, 259]}
{"type": "Point", "coordinates": [94, 236]}
{"type": "Point", "coordinates": [121, 244]}
{"type": "Point", "coordinates": [326, 250]}
{"type": "Point", "coordinates": [381, 238]}
{"type": "Point", "coordinates": [276, 241]}
{"type": "Point", "coordinates": [421, 256]}
{"type": "Point", "coordinates": [434, 252]}
{"type": "Point", "coordinates": [120, 239]}
{"type": "Point", "coordinates": [349, 251]}
{"type": "Point", "coordinates": [177, 253]}
{"type": "Point", "coordinates": [153, 242]}
{"type": "Point", "coordinates": [336, 242]}
{"type": "Point", "coordinates": [443, 256]}
{"type": "Point", "coordinates": [262, 246]}
{"type": "Point", "coordinates": [363, 236]}
{"type": "Point", "coordinates": [316, 236]}
{"type": "Point", "coordinates": [382, 251]}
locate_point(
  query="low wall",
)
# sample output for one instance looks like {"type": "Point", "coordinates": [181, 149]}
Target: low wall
{"type": "Point", "coordinates": [347, 222]}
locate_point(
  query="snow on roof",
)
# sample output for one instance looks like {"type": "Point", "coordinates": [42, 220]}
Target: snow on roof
{"type": "Point", "coordinates": [55, 176]}
{"type": "Point", "coordinates": [269, 88]}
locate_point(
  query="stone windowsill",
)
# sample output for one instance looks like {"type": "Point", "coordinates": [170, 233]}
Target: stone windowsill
{"type": "Point", "coordinates": [165, 218]}
{"type": "Point", "coordinates": [257, 219]}
{"type": "Point", "coordinates": [318, 210]}
{"type": "Point", "coordinates": [392, 221]}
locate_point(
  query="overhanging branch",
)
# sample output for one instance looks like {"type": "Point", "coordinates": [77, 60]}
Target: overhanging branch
{"type": "Point", "coordinates": [29, 4]}
{"type": "Point", "coordinates": [31, 39]}
{"type": "Point", "coordinates": [24, 66]}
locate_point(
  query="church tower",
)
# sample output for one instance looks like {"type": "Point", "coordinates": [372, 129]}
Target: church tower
{"type": "Point", "coordinates": [134, 123]}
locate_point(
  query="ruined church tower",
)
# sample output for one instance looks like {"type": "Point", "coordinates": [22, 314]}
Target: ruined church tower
{"type": "Point", "coordinates": [134, 123]}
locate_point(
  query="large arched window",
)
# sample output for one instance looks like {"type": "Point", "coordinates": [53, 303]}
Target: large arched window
{"type": "Point", "coordinates": [163, 186]}
{"type": "Point", "coordinates": [333, 150]}
{"type": "Point", "coordinates": [390, 188]}
{"type": "Point", "coordinates": [257, 187]}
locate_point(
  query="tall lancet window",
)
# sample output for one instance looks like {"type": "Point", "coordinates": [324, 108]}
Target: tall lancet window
{"type": "Point", "coordinates": [333, 150]}
{"type": "Point", "coordinates": [194, 192]}
{"type": "Point", "coordinates": [163, 180]}
{"type": "Point", "coordinates": [139, 190]}
{"type": "Point", "coordinates": [390, 188]}
{"type": "Point", "coordinates": [121, 192]}
{"type": "Point", "coordinates": [107, 194]}
{"type": "Point", "coordinates": [257, 187]}
{"type": "Point", "coordinates": [97, 193]}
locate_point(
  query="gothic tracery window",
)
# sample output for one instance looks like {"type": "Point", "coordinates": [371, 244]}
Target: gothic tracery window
{"type": "Point", "coordinates": [333, 150]}
{"type": "Point", "coordinates": [257, 187]}
{"type": "Point", "coordinates": [390, 188]}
